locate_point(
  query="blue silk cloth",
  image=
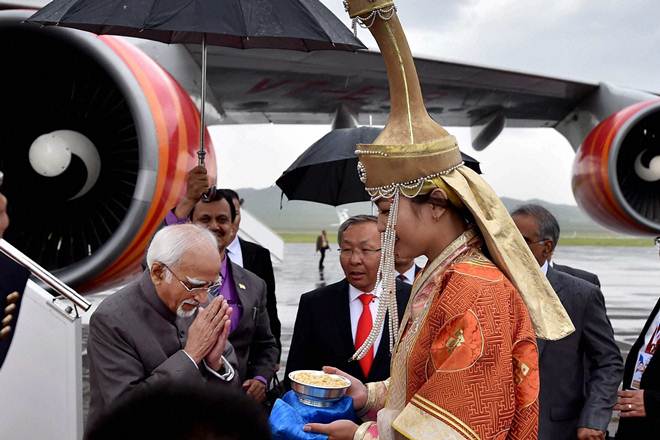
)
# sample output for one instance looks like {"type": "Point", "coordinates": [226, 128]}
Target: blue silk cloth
{"type": "Point", "coordinates": [289, 415]}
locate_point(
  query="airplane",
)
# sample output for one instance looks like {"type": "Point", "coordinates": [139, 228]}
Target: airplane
{"type": "Point", "coordinates": [131, 107]}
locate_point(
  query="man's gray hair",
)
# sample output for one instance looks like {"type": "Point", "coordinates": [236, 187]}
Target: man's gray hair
{"type": "Point", "coordinates": [356, 219]}
{"type": "Point", "coordinates": [172, 242]}
{"type": "Point", "coordinates": [548, 225]}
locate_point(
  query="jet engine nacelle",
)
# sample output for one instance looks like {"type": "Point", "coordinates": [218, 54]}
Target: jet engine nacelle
{"type": "Point", "coordinates": [95, 142]}
{"type": "Point", "coordinates": [616, 174]}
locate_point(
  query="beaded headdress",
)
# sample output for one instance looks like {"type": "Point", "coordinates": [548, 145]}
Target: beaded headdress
{"type": "Point", "coordinates": [412, 155]}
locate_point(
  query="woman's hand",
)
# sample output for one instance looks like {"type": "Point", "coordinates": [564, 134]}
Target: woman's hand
{"type": "Point", "coordinates": [337, 430]}
{"type": "Point", "coordinates": [357, 390]}
{"type": "Point", "coordinates": [631, 403]}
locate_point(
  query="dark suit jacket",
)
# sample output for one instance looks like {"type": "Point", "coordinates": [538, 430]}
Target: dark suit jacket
{"type": "Point", "coordinates": [135, 342]}
{"type": "Point", "coordinates": [590, 278]}
{"type": "Point", "coordinates": [256, 259]}
{"type": "Point", "coordinates": [13, 278]}
{"type": "Point", "coordinates": [255, 346]}
{"type": "Point", "coordinates": [649, 426]}
{"type": "Point", "coordinates": [322, 333]}
{"type": "Point", "coordinates": [579, 273]}
{"type": "Point", "coordinates": [568, 399]}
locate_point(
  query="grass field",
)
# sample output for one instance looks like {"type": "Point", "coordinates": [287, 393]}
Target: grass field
{"type": "Point", "coordinates": [579, 240]}
{"type": "Point", "coordinates": [606, 241]}
{"type": "Point", "coordinates": [304, 237]}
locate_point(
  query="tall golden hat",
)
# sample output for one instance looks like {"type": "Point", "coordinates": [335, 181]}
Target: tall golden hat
{"type": "Point", "coordinates": [412, 145]}
{"type": "Point", "coordinates": [414, 154]}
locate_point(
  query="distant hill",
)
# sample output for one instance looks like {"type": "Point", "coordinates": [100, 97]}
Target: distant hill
{"type": "Point", "coordinates": [297, 216]}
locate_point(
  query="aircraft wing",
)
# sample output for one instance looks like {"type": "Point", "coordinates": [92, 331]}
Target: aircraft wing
{"type": "Point", "coordinates": [274, 86]}
{"type": "Point", "coordinates": [287, 87]}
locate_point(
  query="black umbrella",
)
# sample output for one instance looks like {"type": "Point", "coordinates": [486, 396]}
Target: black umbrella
{"type": "Point", "coordinates": [327, 171]}
{"type": "Point", "coordinates": [275, 24]}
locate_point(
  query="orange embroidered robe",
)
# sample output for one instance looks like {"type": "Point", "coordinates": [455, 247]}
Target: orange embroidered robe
{"type": "Point", "coordinates": [466, 363]}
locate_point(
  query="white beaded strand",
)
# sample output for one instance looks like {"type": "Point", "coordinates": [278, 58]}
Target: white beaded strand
{"type": "Point", "coordinates": [386, 279]}
{"type": "Point", "coordinates": [389, 274]}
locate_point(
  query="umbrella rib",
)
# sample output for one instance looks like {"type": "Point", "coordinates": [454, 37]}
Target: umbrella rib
{"type": "Point", "coordinates": [245, 31]}
{"type": "Point", "coordinates": [312, 15]}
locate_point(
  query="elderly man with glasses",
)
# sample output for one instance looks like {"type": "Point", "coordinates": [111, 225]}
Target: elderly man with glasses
{"type": "Point", "coordinates": [333, 320]}
{"type": "Point", "coordinates": [580, 373]}
{"type": "Point", "coordinates": [155, 331]}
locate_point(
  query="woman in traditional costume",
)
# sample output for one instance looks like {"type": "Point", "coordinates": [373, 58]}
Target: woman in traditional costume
{"type": "Point", "coordinates": [465, 363]}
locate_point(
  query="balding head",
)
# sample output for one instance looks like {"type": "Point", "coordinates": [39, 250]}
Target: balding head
{"type": "Point", "coordinates": [171, 243]}
{"type": "Point", "coordinates": [183, 261]}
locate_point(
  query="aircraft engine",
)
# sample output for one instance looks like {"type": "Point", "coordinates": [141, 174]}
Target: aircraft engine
{"type": "Point", "coordinates": [616, 174]}
{"type": "Point", "coordinates": [95, 142]}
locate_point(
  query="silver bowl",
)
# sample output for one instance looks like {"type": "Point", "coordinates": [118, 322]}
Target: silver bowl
{"type": "Point", "coordinates": [315, 395]}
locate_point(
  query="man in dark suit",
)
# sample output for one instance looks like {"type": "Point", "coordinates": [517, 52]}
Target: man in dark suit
{"type": "Point", "coordinates": [639, 401]}
{"type": "Point", "coordinates": [406, 269]}
{"type": "Point", "coordinates": [150, 333]}
{"type": "Point", "coordinates": [255, 346]}
{"type": "Point", "coordinates": [333, 320]}
{"type": "Point", "coordinates": [250, 335]}
{"type": "Point", "coordinates": [572, 404]}
{"type": "Point", "coordinates": [256, 259]}
{"type": "Point", "coordinates": [578, 273]}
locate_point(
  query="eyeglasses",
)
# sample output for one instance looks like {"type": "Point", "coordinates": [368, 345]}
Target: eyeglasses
{"type": "Point", "coordinates": [530, 242]}
{"type": "Point", "coordinates": [361, 252]}
{"type": "Point", "coordinates": [210, 289]}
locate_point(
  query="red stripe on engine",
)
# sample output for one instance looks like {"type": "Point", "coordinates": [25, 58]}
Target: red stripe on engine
{"type": "Point", "coordinates": [172, 117]}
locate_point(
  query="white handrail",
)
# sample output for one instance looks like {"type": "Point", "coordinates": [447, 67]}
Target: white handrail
{"type": "Point", "coordinates": [45, 276]}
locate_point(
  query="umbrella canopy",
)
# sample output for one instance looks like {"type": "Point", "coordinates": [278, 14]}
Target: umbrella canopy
{"type": "Point", "coordinates": [327, 171]}
{"type": "Point", "coordinates": [245, 24]}
{"type": "Point", "coordinates": [277, 24]}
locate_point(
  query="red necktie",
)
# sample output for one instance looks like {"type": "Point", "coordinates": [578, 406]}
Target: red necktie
{"type": "Point", "coordinates": [363, 330]}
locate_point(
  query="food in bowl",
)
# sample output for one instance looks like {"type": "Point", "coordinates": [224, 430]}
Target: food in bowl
{"type": "Point", "coordinates": [321, 379]}
{"type": "Point", "coordinates": [316, 388]}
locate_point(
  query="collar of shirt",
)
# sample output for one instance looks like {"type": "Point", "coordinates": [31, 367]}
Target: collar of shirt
{"type": "Point", "coordinates": [544, 268]}
{"type": "Point", "coordinates": [409, 274]}
{"type": "Point", "coordinates": [354, 294]}
{"type": "Point", "coordinates": [235, 252]}
{"type": "Point", "coordinates": [356, 308]}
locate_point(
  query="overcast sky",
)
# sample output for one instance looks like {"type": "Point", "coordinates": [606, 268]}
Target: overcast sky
{"type": "Point", "coordinates": [588, 40]}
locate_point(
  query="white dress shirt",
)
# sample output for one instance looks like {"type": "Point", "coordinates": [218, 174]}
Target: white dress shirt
{"type": "Point", "coordinates": [234, 252]}
{"type": "Point", "coordinates": [355, 305]}
{"type": "Point", "coordinates": [544, 268]}
{"type": "Point", "coordinates": [409, 275]}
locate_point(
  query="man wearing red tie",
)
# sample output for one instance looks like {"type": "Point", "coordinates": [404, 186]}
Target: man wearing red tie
{"type": "Point", "coordinates": [333, 320]}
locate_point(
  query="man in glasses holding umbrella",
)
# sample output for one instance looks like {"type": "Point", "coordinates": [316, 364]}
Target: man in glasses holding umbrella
{"type": "Point", "coordinates": [250, 334]}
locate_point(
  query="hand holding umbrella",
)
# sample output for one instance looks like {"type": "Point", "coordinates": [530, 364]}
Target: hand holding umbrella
{"type": "Point", "coordinates": [197, 187]}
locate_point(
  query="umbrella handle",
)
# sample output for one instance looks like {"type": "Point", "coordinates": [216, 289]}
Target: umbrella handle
{"type": "Point", "coordinates": [200, 157]}
{"type": "Point", "coordinates": [202, 120]}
